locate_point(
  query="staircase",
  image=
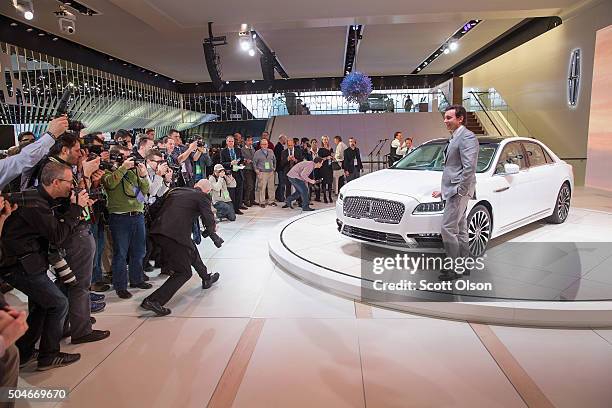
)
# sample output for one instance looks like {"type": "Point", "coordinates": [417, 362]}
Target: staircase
{"type": "Point", "coordinates": [473, 124]}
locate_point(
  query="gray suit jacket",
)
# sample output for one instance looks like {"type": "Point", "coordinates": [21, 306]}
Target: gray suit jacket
{"type": "Point", "coordinates": [459, 176]}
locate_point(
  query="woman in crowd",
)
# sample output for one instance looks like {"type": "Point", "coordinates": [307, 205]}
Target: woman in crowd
{"type": "Point", "coordinates": [325, 172]}
{"type": "Point", "coordinates": [316, 188]}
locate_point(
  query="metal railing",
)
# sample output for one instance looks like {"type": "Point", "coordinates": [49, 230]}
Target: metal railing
{"type": "Point", "coordinates": [496, 112]}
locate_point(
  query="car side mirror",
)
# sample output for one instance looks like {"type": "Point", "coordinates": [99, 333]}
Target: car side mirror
{"type": "Point", "coordinates": [511, 168]}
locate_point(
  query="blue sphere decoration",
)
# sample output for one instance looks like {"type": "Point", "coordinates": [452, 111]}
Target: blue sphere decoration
{"type": "Point", "coordinates": [356, 87]}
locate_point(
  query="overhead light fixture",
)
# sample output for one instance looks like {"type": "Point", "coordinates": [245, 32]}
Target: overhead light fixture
{"type": "Point", "coordinates": [245, 44]}
{"type": "Point", "coordinates": [252, 80]}
{"type": "Point", "coordinates": [227, 82]}
{"type": "Point", "coordinates": [450, 45]}
{"type": "Point", "coordinates": [252, 52]}
{"type": "Point", "coordinates": [25, 7]}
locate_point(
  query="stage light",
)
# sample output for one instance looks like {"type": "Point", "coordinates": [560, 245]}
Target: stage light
{"type": "Point", "coordinates": [26, 7]}
{"type": "Point", "coordinates": [245, 44]}
{"type": "Point", "coordinates": [252, 80]}
{"type": "Point", "coordinates": [453, 46]}
{"type": "Point", "coordinates": [446, 51]}
{"type": "Point", "coordinates": [252, 52]}
{"type": "Point", "coordinates": [226, 82]}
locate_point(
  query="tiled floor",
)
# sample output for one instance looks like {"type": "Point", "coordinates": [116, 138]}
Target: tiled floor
{"type": "Point", "coordinates": [315, 349]}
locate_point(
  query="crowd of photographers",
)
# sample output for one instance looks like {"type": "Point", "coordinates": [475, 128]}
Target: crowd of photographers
{"type": "Point", "coordinates": [74, 205]}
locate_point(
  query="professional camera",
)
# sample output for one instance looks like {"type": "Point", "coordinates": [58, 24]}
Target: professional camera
{"type": "Point", "coordinates": [216, 239]}
{"type": "Point", "coordinates": [137, 160]}
{"type": "Point", "coordinates": [198, 140]}
{"type": "Point", "coordinates": [74, 126]}
{"type": "Point", "coordinates": [60, 267]}
{"type": "Point", "coordinates": [25, 199]}
{"type": "Point", "coordinates": [104, 165]}
{"type": "Point", "coordinates": [117, 157]}
{"type": "Point", "coordinates": [109, 143]}
{"type": "Point", "coordinates": [96, 149]}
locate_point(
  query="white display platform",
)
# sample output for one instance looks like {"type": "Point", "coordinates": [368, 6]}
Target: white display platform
{"type": "Point", "coordinates": [309, 247]}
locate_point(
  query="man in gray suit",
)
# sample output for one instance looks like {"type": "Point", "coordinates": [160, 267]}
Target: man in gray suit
{"type": "Point", "coordinates": [458, 184]}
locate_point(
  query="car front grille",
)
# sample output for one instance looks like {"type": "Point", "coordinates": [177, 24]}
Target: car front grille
{"type": "Point", "coordinates": [379, 210]}
{"type": "Point", "coordinates": [374, 236]}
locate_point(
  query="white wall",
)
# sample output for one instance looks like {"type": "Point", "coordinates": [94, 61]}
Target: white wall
{"type": "Point", "coordinates": [532, 79]}
{"type": "Point", "coordinates": [368, 128]}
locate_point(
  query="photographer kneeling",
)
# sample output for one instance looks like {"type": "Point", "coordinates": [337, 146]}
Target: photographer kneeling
{"type": "Point", "coordinates": [26, 237]}
{"type": "Point", "coordinates": [171, 231]}
{"type": "Point", "coordinates": [220, 182]}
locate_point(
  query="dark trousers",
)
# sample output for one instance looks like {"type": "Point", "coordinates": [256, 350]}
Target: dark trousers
{"type": "Point", "coordinates": [353, 175]}
{"type": "Point", "coordinates": [237, 192]}
{"type": "Point", "coordinates": [179, 259]}
{"type": "Point", "coordinates": [129, 236]}
{"type": "Point", "coordinates": [301, 190]}
{"type": "Point", "coordinates": [97, 230]}
{"type": "Point", "coordinates": [48, 308]}
{"type": "Point", "coordinates": [80, 253]}
{"type": "Point", "coordinates": [280, 189]}
{"type": "Point", "coordinates": [249, 186]}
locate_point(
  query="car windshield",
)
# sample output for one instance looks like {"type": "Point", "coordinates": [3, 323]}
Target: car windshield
{"type": "Point", "coordinates": [430, 156]}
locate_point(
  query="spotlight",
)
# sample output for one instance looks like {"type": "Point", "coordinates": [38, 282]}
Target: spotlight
{"type": "Point", "coordinates": [252, 52]}
{"type": "Point", "coordinates": [446, 51]}
{"type": "Point", "coordinates": [245, 44]}
{"type": "Point", "coordinates": [453, 46]}
{"type": "Point", "coordinates": [26, 7]}
{"type": "Point", "coordinates": [252, 80]}
{"type": "Point", "coordinates": [227, 82]}
{"type": "Point", "coordinates": [66, 20]}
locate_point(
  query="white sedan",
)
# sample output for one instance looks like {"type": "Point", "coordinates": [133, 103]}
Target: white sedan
{"type": "Point", "coordinates": [518, 181]}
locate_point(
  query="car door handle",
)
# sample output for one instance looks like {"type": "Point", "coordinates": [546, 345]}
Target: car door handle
{"type": "Point", "coordinates": [499, 190]}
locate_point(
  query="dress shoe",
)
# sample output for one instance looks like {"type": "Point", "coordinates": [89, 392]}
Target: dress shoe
{"type": "Point", "coordinates": [273, 204]}
{"type": "Point", "coordinates": [95, 335]}
{"type": "Point", "coordinates": [60, 360]}
{"type": "Point", "coordinates": [94, 297]}
{"type": "Point", "coordinates": [155, 307]}
{"type": "Point", "coordinates": [141, 285]}
{"type": "Point", "coordinates": [97, 307]}
{"type": "Point", "coordinates": [262, 205]}
{"type": "Point", "coordinates": [148, 268]}
{"type": "Point", "coordinates": [308, 209]}
{"type": "Point", "coordinates": [244, 207]}
{"type": "Point", "coordinates": [448, 276]}
{"type": "Point", "coordinates": [212, 278]}
{"type": "Point", "coordinates": [5, 287]}
{"type": "Point", "coordinates": [100, 287]}
{"type": "Point", "coordinates": [287, 206]}
{"type": "Point", "coordinates": [124, 294]}
{"type": "Point", "coordinates": [238, 212]}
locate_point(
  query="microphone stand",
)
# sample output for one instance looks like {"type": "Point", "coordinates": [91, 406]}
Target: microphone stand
{"type": "Point", "coordinates": [370, 155]}
{"type": "Point", "coordinates": [384, 142]}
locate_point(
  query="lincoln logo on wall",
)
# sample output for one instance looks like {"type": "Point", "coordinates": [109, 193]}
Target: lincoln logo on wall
{"type": "Point", "coordinates": [573, 79]}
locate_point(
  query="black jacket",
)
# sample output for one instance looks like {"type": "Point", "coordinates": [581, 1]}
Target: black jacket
{"type": "Point", "coordinates": [278, 153]}
{"type": "Point", "coordinates": [349, 160]}
{"type": "Point", "coordinates": [181, 206]}
{"type": "Point", "coordinates": [285, 165]}
{"type": "Point", "coordinates": [226, 159]}
{"type": "Point", "coordinates": [31, 230]}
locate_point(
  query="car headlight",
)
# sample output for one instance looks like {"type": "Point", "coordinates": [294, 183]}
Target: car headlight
{"type": "Point", "coordinates": [429, 208]}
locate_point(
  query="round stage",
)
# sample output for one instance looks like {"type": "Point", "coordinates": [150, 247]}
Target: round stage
{"type": "Point", "coordinates": [541, 274]}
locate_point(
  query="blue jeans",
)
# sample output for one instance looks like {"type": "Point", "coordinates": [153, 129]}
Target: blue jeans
{"type": "Point", "coordinates": [301, 190]}
{"type": "Point", "coordinates": [225, 210]}
{"type": "Point", "coordinates": [129, 237]}
{"type": "Point", "coordinates": [97, 230]}
{"type": "Point", "coordinates": [48, 308]}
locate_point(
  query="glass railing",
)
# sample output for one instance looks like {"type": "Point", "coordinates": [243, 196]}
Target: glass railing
{"type": "Point", "coordinates": [231, 106]}
{"type": "Point", "coordinates": [497, 115]}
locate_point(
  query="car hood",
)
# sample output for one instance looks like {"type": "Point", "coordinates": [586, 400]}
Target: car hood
{"type": "Point", "coordinates": [417, 184]}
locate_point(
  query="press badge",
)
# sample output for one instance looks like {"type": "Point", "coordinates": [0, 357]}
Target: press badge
{"type": "Point", "coordinates": [226, 195]}
{"type": "Point", "coordinates": [267, 165]}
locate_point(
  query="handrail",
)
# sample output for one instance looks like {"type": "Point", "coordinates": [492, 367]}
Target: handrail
{"type": "Point", "coordinates": [507, 112]}
{"type": "Point", "coordinates": [484, 109]}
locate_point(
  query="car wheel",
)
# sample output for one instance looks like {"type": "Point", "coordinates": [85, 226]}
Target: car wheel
{"type": "Point", "coordinates": [562, 205]}
{"type": "Point", "coordinates": [479, 230]}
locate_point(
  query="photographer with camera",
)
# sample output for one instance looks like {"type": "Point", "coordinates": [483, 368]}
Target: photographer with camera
{"type": "Point", "coordinates": [30, 155]}
{"type": "Point", "coordinates": [171, 231]}
{"type": "Point", "coordinates": [221, 182]}
{"type": "Point", "coordinates": [80, 246]}
{"type": "Point", "coordinates": [124, 139]}
{"type": "Point", "coordinates": [127, 188]}
{"type": "Point", "coordinates": [183, 156]}
{"type": "Point", "coordinates": [26, 237]}
{"type": "Point", "coordinates": [298, 176]}
{"type": "Point", "coordinates": [160, 180]}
